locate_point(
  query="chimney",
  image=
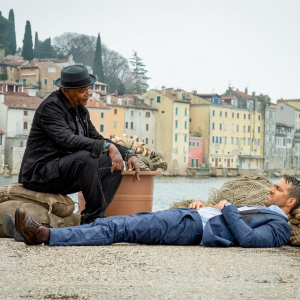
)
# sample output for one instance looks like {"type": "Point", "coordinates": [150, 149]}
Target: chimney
{"type": "Point", "coordinates": [195, 92]}
{"type": "Point", "coordinates": [163, 90]}
{"type": "Point", "coordinates": [253, 94]}
{"type": "Point", "coordinates": [246, 91]}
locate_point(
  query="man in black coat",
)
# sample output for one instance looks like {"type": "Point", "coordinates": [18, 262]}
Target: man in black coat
{"type": "Point", "coordinates": [64, 152]}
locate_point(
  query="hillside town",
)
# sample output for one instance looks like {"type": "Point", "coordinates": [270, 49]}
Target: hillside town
{"type": "Point", "coordinates": [226, 134]}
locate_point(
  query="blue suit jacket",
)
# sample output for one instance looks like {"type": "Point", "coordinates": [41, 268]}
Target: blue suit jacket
{"type": "Point", "coordinates": [251, 228]}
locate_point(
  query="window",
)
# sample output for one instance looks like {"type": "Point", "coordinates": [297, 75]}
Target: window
{"type": "Point", "coordinates": [237, 141]}
{"type": "Point", "coordinates": [24, 81]}
{"type": "Point", "coordinates": [213, 112]}
{"type": "Point", "coordinates": [147, 114]}
{"type": "Point", "coordinates": [131, 125]}
{"type": "Point", "coordinates": [131, 113]}
{"type": "Point", "coordinates": [146, 140]}
{"type": "Point", "coordinates": [0, 139]}
{"type": "Point", "coordinates": [101, 127]}
{"type": "Point", "coordinates": [233, 115]}
{"type": "Point", "coordinates": [237, 115]}
{"type": "Point", "coordinates": [237, 128]}
{"type": "Point", "coordinates": [25, 125]}
{"type": "Point", "coordinates": [220, 140]}
{"type": "Point", "coordinates": [225, 139]}
{"type": "Point", "coordinates": [176, 137]}
{"type": "Point", "coordinates": [258, 129]}
{"type": "Point", "coordinates": [25, 113]}
{"type": "Point", "coordinates": [244, 128]}
{"type": "Point", "coordinates": [220, 113]}
{"type": "Point", "coordinates": [158, 99]}
{"type": "Point", "coordinates": [197, 162]}
{"type": "Point", "coordinates": [244, 116]}
{"type": "Point", "coordinates": [248, 128]}
{"type": "Point", "coordinates": [258, 117]}
{"type": "Point", "coordinates": [226, 114]}
{"type": "Point", "coordinates": [176, 124]}
{"type": "Point", "coordinates": [115, 111]}
{"type": "Point", "coordinates": [213, 125]}
{"type": "Point", "coordinates": [147, 126]}
{"type": "Point", "coordinates": [53, 82]}
{"type": "Point", "coordinates": [102, 115]}
{"type": "Point", "coordinates": [225, 126]}
{"type": "Point", "coordinates": [185, 138]}
{"type": "Point", "coordinates": [126, 125]}
{"type": "Point", "coordinates": [185, 124]}
{"type": "Point", "coordinates": [248, 116]}
{"type": "Point", "coordinates": [232, 141]}
{"type": "Point", "coordinates": [217, 139]}
{"type": "Point", "coordinates": [176, 111]}
{"type": "Point", "coordinates": [213, 139]}
{"type": "Point", "coordinates": [220, 126]}
{"type": "Point", "coordinates": [45, 81]}
{"type": "Point", "coordinates": [244, 140]}
{"type": "Point", "coordinates": [185, 112]}
{"type": "Point", "coordinates": [192, 161]}
{"type": "Point", "coordinates": [115, 124]}
{"type": "Point", "coordinates": [197, 144]}
{"type": "Point", "coordinates": [51, 70]}
{"type": "Point", "coordinates": [248, 141]}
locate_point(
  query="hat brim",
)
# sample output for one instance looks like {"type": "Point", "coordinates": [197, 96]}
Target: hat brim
{"type": "Point", "coordinates": [59, 84]}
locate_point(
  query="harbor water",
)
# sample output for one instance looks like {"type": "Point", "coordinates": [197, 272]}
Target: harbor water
{"type": "Point", "coordinates": [169, 189]}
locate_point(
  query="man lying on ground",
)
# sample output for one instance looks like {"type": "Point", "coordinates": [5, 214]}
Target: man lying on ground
{"type": "Point", "coordinates": [219, 226]}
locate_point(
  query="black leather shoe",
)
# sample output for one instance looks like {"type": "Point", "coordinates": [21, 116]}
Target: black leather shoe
{"type": "Point", "coordinates": [27, 227]}
{"type": "Point", "coordinates": [10, 229]}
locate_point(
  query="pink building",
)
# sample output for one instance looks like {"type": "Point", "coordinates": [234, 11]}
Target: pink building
{"type": "Point", "coordinates": [195, 151]}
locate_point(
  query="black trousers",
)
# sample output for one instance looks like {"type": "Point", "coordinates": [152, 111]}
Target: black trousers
{"type": "Point", "coordinates": [80, 171]}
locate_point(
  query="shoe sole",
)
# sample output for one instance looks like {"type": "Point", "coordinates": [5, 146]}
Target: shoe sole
{"type": "Point", "coordinates": [17, 226]}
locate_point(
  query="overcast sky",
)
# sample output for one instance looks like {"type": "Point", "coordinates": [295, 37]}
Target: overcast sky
{"type": "Point", "coordinates": [193, 45]}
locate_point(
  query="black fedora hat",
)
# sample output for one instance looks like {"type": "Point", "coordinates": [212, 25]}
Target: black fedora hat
{"type": "Point", "coordinates": [75, 77]}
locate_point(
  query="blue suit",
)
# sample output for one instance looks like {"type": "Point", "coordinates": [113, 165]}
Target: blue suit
{"type": "Point", "coordinates": [252, 228]}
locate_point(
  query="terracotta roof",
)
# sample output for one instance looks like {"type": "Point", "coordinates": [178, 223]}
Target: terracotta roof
{"type": "Point", "coordinates": [227, 97]}
{"type": "Point", "coordinates": [167, 94]}
{"type": "Point", "coordinates": [8, 82]}
{"type": "Point", "coordinates": [244, 95]}
{"type": "Point", "coordinates": [225, 103]}
{"type": "Point", "coordinates": [1, 132]}
{"type": "Point", "coordinates": [24, 102]}
{"type": "Point", "coordinates": [96, 104]}
{"type": "Point", "coordinates": [284, 125]}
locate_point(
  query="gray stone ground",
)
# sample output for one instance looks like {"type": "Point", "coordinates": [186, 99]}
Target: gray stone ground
{"type": "Point", "coordinates": [129, 271]}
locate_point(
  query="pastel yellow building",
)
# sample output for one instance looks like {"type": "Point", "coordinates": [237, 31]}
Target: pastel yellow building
{"type": "Point", "coordinates": [100, 117]}
{"type": "Point", "coordinates": [172, 130]}
{"type": "Point", "coordinates": [117, 116]}
{"type": "Point", "coordinates": [232, 137]}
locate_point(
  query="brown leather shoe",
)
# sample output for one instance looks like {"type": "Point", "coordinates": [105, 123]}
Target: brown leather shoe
{"type": "Point", "coordinates": [26, 226]}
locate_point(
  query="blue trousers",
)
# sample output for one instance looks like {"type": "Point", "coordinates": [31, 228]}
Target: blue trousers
{"type": "Point", "coordinates": [181, 226]}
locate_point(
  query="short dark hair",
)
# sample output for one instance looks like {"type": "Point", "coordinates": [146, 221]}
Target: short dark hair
{"type": "Point", "coordinates": [294, 190]}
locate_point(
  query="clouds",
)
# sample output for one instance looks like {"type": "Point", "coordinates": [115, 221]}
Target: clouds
{"type": "Point", "coordinates": [198, 45]}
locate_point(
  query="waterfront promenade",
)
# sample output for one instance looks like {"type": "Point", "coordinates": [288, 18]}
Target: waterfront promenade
{"type": "Point", "coordinates": [129, 271]}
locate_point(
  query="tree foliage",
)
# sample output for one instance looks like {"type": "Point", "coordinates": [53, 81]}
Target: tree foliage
{"type": "Point", "coordinates": [12, 45]}
{"type": "Point", "coordinates": [116, 69]}
{"type": "Point", "coordinates": [81, 46]}
{"type": "Point", "coordinates": [44, 49]}
{"type": "Point", "coordinates": [98, 66]}
{"type": "Point", "coordinates": [5, 26]}
{"type": "Point", "coordinates": [138, 74]}
{"type": "Point", "coordinates": [27, 51]}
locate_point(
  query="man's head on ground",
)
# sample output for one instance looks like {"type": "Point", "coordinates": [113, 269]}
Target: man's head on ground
{"type": "Point", "coordinates": [285, 194]}
{"type": "Point", "coordinates": [75, 82]}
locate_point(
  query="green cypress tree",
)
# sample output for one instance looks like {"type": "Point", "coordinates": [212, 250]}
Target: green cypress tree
{"type": "Point", "coordinates": [27, 51]}
{"type": "Point", "coordinates": [4, 32]}
{"type": "Point", "coordinates": [12, 46]}
{"type": "Point", "coordinates": [98, 66]}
